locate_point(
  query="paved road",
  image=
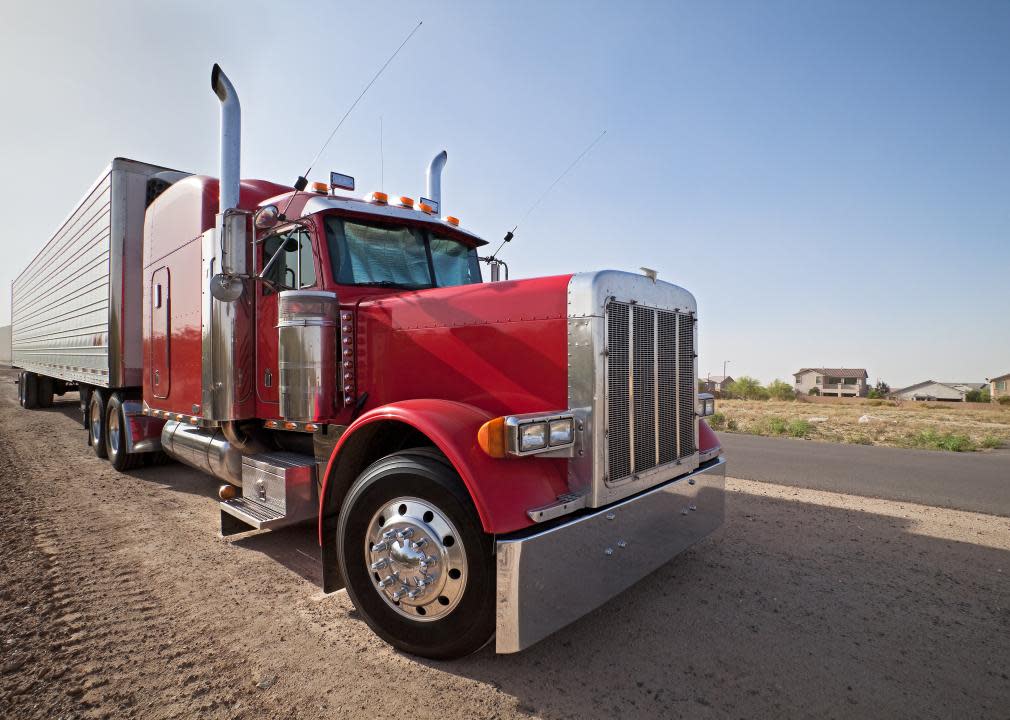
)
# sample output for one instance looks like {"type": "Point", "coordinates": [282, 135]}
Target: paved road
{"type": "Point", "coordinates": [979, 482]}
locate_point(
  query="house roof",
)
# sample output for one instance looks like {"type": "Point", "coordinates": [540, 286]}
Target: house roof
{"type": "Point", "coordinates": [836, 372]}
{"type": "Point", "coordinates": [1000, 377]}
{"type": "Point", "coordinates": [956, 386]}
{"type": "Point", "coordinates": [718, 378]}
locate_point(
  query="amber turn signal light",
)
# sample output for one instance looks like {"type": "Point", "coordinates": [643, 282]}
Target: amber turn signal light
{"type": "Point", "coordinates": [226, 492]}
{"type": "Point", "coordinates": [491, 437]}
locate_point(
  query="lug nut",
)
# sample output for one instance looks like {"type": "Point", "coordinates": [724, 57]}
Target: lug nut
{"type": "Point", "coordinates": [399, 594]}
{"type": "Point", "coordinates": [389, 535]}
{"type": "Point", "coordinates": [380, 563]}
{"type": "Point", "coordinates": [413, 594]}
{"type": "Point", "coordinates": [387, 581]}
{"type": "Point", "coordinates": [418, 544]}
{"type": "Point", "coordinates": [380, 546]}
{"type": "Point", "coordinates": [404, 534]}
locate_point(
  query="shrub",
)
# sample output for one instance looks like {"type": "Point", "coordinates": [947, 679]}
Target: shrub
{"type": "Point", "coordinates": [991, 442]}
{"type": "Point", "coordinates": [776, 425]}
{"type": "Point", "coordinates": [977, 395]}
{"type": "Point", "coordinates": [932, 440]}
{"type": "Point", "coordinates": [861, 440]}
{"type": "Point", "coordinates": [1005, 400]}
{"type": "Point", "coordinates": [717, 421]}
{"type": "Point", "coordinates": [799, 428]}
{"type": "Point", "coordinates": [813, 391]}
{"type": "Point", "coordinates": [874, 394]}
{"type": "Point", "coordinates": [781, 390]}
{"type": "Point", "coordinates": [875, 403]}
{"type": "Point", "coordinates": [731, 425]}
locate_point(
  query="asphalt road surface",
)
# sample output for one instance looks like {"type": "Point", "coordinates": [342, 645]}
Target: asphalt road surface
{"type": "Point", "coordinates": [119, 599]}
{"type": "Point", "coordinates": [979, 482]}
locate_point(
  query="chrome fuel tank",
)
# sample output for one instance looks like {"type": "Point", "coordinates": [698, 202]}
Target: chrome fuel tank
{"type": "Point", "coordinates": [307, 354]}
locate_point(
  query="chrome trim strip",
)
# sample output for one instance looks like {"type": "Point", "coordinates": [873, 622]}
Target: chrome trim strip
{"type": "Point", "coordinates": [616, 546]}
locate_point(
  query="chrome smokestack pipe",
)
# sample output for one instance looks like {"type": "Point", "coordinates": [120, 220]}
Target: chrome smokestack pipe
{"type": "Point", "coordinates": [231, 138]}
{"type": "Point", "coordinates": [434, 176]}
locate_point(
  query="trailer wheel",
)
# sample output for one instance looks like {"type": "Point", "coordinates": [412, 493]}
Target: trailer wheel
{"type": "Point", "coordinates": [45, 391]}
{"type": "Point", "coordinates": [414, 558]}
{"type": "Point", "coordinates": [96, 423]}
{"type": "Point", "coordinates": [115, 436]}
{"type": "Point", "coordinates": [29, 391]}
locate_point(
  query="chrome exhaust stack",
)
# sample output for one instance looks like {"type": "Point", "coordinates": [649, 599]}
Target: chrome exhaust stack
{"type": "Point", "coordinates": [231, 138]}
{"type": "Point", "coordinates": [434, 179]}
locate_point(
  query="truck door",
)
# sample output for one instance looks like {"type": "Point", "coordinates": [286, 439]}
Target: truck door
{"type": "Point", "coordinates": [293, 268]}
{"type": "Point", "coordinates": [160, 333]}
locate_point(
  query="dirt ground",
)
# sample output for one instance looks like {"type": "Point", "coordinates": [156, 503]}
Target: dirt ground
{"type": "Point", "coordinates": [118, 599]}
{"type": "Point", "coordinates": [927, 425]}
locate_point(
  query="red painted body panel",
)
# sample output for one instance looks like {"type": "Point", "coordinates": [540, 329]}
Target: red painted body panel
{"type": "Point", "coordinates": [706, 437]}
{"type": "Point", "coordinates": [173, 256]}
{"type": "Point", "coordinates": [502, 490]}
{"type": "Point", "coordinates": [502, 347]}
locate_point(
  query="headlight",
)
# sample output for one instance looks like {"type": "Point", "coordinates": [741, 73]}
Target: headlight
{"type": "Point", "coordinates": [562, 431]}
{"type": "Point", "coordinates": [532, 436]}
{"type": "Point", "coordinates": [706, 404]}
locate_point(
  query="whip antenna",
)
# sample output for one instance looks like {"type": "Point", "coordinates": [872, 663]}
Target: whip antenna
{"type": "Point", "coordinates": [302, 182]}
{"type": "Point", "coordinates": [511, 233]}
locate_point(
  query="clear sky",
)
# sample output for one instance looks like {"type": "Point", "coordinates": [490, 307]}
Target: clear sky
{"type": "Point", "coordinates": [831, 180]}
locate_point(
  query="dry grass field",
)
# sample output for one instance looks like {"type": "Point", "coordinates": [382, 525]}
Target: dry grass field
{"type": "Point", "coordinates": [959, 427]}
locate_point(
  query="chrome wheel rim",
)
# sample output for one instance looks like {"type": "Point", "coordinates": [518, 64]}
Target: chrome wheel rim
{"type": "Point", "coordinates": [96, 422]}
{"type": "Point", "coordinates": [415, 558]}
{"type": "Point", "coordinates": [113, 438]}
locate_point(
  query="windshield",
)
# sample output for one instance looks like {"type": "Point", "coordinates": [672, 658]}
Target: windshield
{"type": "Point", "coordinates": [398, 256]}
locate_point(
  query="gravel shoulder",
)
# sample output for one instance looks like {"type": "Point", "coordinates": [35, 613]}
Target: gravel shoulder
{"type": "Point", "coordinates": [118, 599]}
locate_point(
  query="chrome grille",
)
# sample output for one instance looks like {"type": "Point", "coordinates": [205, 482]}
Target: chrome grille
{"type": "Point", "coordinates": [650, 388]}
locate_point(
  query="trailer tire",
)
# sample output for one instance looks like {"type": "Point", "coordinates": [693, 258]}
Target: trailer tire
{"type": "Point", "coordinates": [45, 391]}
{"type": "Point", "coordinates": [115, 436]}
{"type": "Point", "coordinates": [96, 423]}
{"type": "Point", "coordinates": [454, 614]}
{"type": "Point", "coordinates": [30, 391]}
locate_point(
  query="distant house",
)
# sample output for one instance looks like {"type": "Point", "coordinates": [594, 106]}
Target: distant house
{"type": "Point", "coordinates": [716, 383]}
{"type": "Point", "coordinates": [933, 390]}
{"type": "Point", "coordinates": [999, 387]}
{"type": "Point", "coordinates": [832, 382]}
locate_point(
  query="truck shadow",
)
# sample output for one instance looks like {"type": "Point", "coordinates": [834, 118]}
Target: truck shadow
{"type": "Point", "coordinates": [791, 608]}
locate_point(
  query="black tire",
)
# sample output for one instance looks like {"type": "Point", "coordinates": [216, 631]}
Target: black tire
{"type": "Point", "coordinates": [45, 392]}
{"type": "Point", "coordinates": [30, 389]}
{"type": "Point", "coordinates": [85, 400]}
{"type": "Point", "coordinates": [96, 423]}
{"type": "Point", "coordinates": [115, 436]}
{"type": "Point", "coordinates": [418, 474]}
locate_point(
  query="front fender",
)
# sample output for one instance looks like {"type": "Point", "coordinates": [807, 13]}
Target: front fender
{"type": "Point", "coordinates": [503, 490]}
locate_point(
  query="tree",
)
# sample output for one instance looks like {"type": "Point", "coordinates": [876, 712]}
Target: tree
{"type": "Point", "coordinates": [981, 395]}
{"type": "Point", "coordinates": [781, 390]}
{"type": "Point", "coordinates": [746, 388]}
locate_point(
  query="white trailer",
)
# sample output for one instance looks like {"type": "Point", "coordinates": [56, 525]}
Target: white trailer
{"type": "Point", "coordinates": [76, 309]}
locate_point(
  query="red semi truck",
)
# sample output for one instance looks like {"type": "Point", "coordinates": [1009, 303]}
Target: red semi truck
{"type": "Point", "coordinates": [482, 459]}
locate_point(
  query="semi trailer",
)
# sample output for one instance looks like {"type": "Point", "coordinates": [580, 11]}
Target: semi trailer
{"type": "Point", "coordinates": [482, 460]}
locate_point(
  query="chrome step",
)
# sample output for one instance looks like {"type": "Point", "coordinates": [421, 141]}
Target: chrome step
{"type": "Point", "coordinates": [278, 489]}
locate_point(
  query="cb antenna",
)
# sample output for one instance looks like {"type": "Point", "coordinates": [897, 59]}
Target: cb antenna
{"type": "Point", "coordinates": [302, 182]}
{"type": "Point", "coordinates": [511, 233]}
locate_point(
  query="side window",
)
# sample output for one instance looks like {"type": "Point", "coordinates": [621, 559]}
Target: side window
{"type": "Point", "coordinates": [294, 266]}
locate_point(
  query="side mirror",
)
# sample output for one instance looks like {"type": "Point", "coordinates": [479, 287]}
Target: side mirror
{"type": "Point", "coordinates": [226, 288]}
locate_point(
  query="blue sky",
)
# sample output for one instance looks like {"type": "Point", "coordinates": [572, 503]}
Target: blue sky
{"type": "Point", "coordinates": [831, 180]}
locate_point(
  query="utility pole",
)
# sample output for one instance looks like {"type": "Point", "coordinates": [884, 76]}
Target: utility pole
{"type": "Point", "coordinates": [724, 364]}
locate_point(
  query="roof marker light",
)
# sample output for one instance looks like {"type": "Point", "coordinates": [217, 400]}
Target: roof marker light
{"type": "Point", "coordinates": [321, 188]}
{"type": "Point", "coordinates": [406, 201]}
{"type": "Point", "coordinates": [425, 208]}
{"type": "Point", "coordinates": [454, 221]}
{"type": "Point", "coordinates": [378, 197]}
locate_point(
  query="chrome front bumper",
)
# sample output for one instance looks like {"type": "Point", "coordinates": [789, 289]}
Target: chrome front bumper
{"type": "Point", "coordinates": [550, 578]}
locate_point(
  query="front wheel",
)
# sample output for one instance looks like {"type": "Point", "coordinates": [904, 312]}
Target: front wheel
{"type": "Point", "coordinates": [414, 559]}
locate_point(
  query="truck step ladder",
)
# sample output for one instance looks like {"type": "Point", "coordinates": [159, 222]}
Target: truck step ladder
{"type": "Point", "coordinates": [278, 489]}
